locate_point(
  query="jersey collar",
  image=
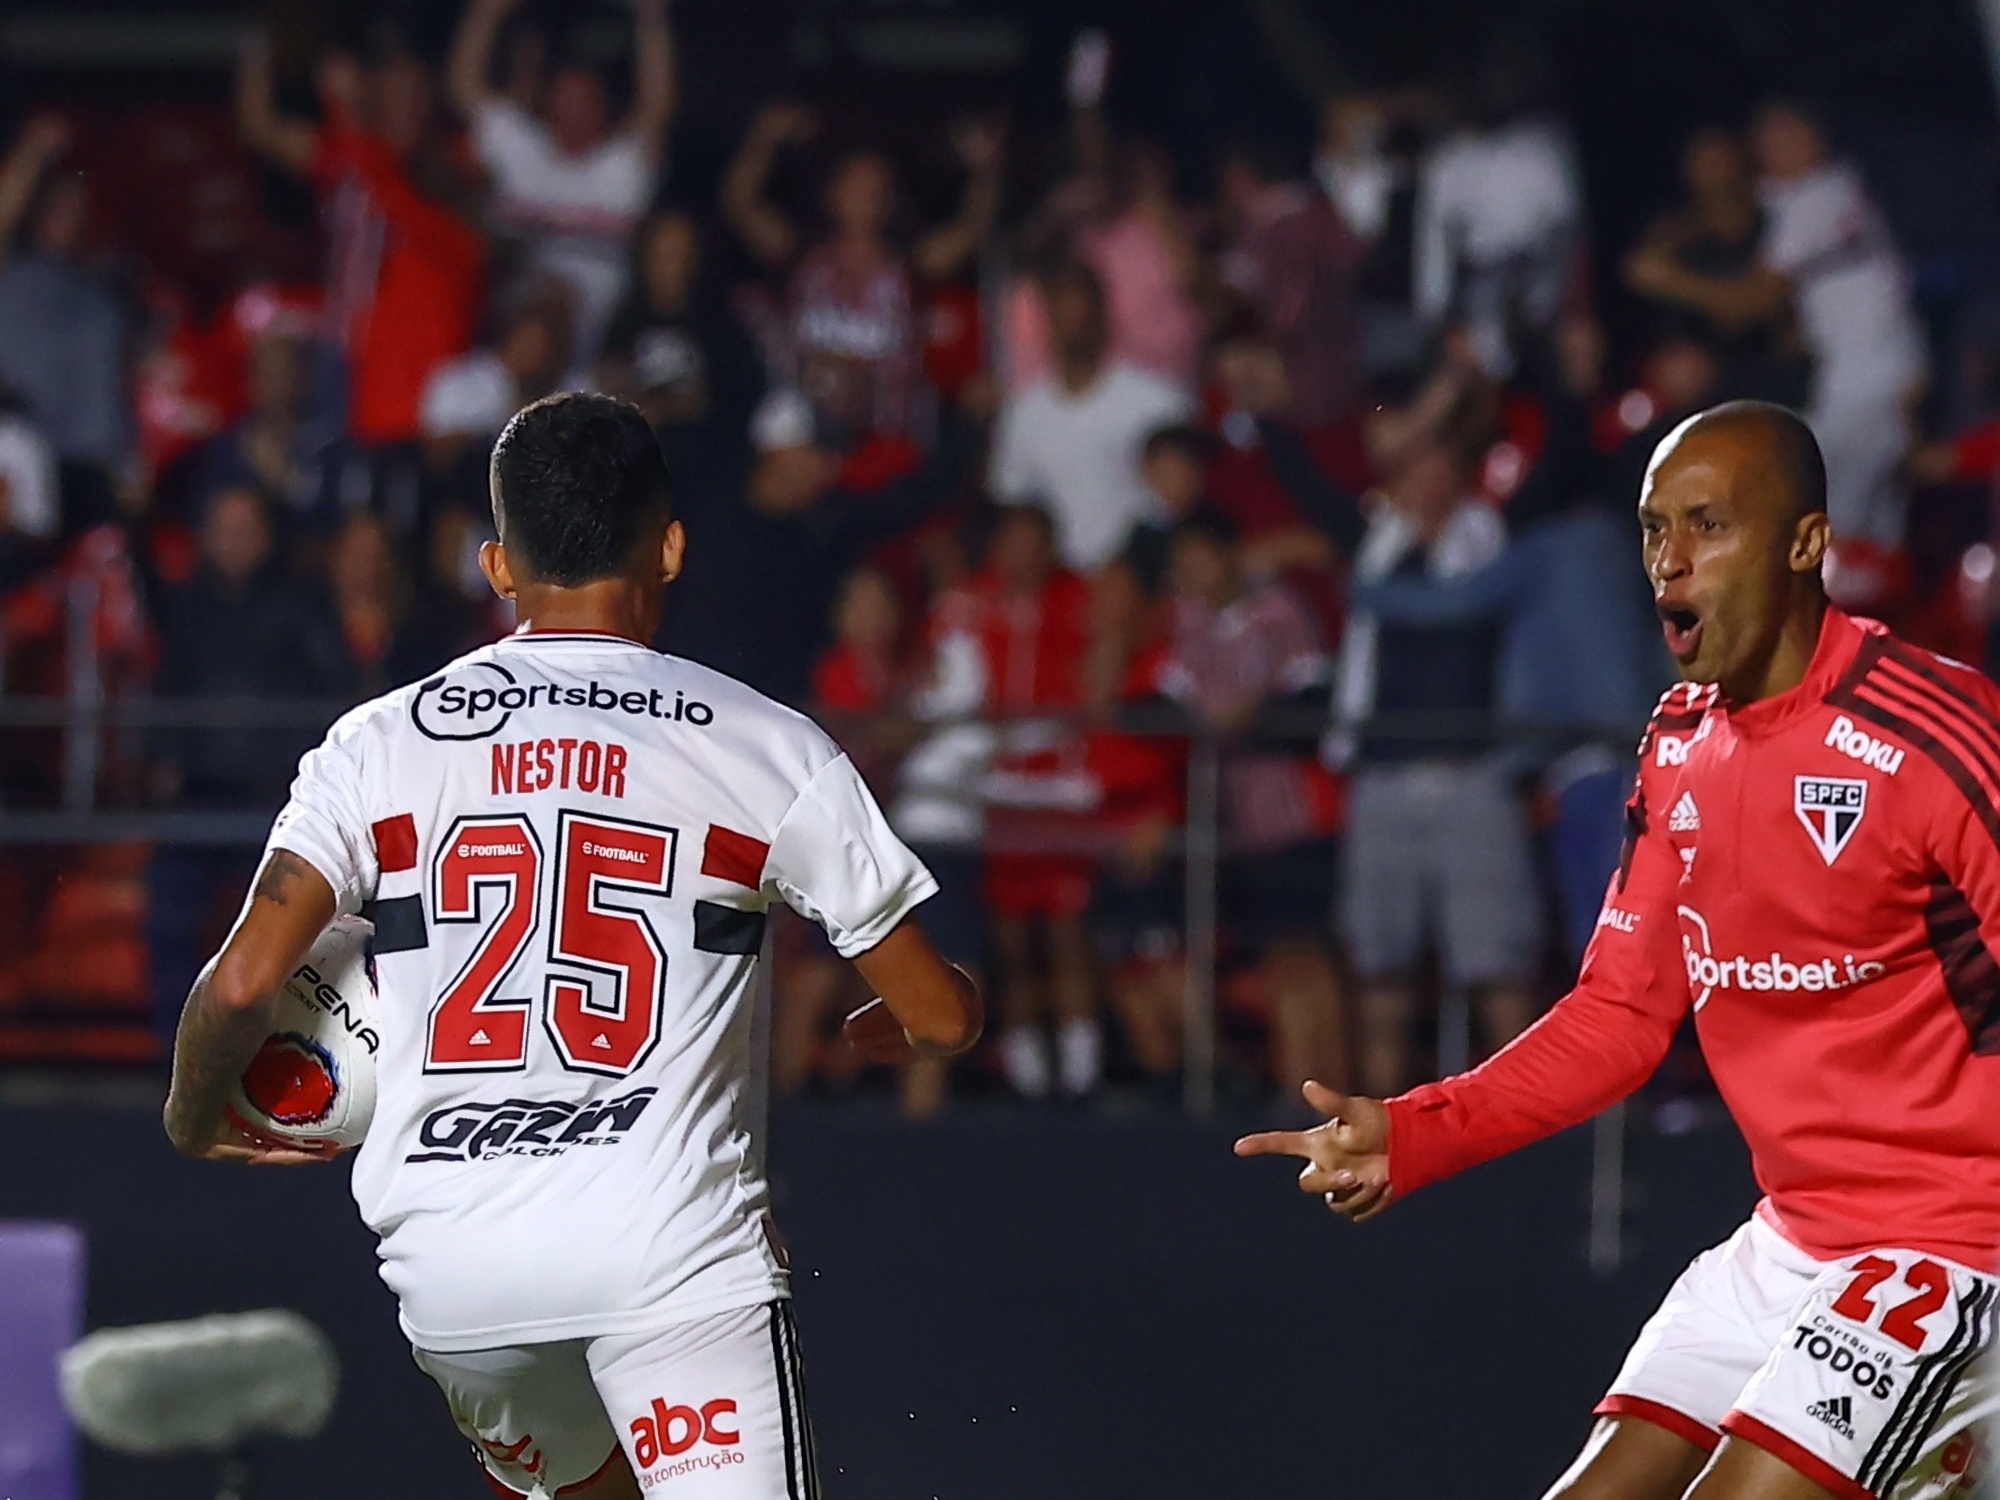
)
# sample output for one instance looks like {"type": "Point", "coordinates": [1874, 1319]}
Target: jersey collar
{"type": "Point", "coordinates": [588, 637]}
{"type": "Point", "coordinates": [1840, 637]}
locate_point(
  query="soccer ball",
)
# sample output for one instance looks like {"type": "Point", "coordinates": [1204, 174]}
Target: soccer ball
{"type": "Point", "coordinates": [313, 1080]}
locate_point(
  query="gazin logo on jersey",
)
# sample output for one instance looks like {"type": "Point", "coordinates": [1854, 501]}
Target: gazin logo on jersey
{"type": "Point", "coordinates": [477, 1131]}
{"type": "Point", "coordinates": [1708, 972]}
{"type": "Point", "coordinates": [476, 702]}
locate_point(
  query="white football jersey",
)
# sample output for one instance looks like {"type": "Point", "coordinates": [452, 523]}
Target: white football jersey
{"type": "Point", "coordinates": [567, 844]}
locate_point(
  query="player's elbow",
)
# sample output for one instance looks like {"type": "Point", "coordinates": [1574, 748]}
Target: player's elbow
{"type": "Point", "coordinates": [241, 983]}
{"type": "Point", "coordinates": [955, 1024]}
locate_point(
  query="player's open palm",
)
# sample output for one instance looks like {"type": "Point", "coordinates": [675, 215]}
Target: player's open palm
{"type": "Point", "coordinates": [1346, 1159]}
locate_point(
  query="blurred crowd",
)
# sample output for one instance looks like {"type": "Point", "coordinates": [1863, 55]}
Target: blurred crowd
{"type": "Point", "coordinates": [1279, 501]}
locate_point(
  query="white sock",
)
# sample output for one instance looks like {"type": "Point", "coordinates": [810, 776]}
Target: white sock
{"type": "Point", "coordinates": [1080, 1048]}
{"type": "Point", "coordinates": [1024, 1057]}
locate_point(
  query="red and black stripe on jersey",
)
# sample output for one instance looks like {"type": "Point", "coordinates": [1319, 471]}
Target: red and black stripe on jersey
{"type": "Point", "coordinates": [1909, 693]}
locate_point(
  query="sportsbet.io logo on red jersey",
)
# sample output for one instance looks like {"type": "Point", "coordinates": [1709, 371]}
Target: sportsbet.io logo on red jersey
{"type": "Point", "coordinates": [1708, 971]}
{"type": "Point", "coordinates": [477, 701]}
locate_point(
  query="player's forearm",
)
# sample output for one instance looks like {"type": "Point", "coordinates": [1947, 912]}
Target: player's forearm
{"type": "Point", "coordinates": [1585, 1054]}
{"type": "Point", "coordinates": [219, 1032]}
{"type": "Point", "coordinates": [471, 54]}
{"type": "Point", "coordinates": [655, 85]}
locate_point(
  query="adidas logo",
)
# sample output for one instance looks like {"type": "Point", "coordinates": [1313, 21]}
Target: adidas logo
{"type": "Point", "coordinates": [1686, 817]}
{"type": "Point", "coordinates": [1837, 1412]}
{"type": "Point", "coordinates": [479, 1038]}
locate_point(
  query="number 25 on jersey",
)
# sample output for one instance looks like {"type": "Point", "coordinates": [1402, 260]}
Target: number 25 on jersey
{"type": "Point", "coordinates": [603, 973]}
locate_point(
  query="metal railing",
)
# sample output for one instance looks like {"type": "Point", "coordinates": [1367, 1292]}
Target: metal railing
{"type": "Point", "coordinates": [85, 715]}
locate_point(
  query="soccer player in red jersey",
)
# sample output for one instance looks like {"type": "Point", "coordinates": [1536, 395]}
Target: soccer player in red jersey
{"type": "Point", "coordinates": [1813, 868]}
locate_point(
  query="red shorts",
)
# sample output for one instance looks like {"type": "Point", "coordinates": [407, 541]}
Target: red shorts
{"type": "Point", "coordinates": [1037, 885]}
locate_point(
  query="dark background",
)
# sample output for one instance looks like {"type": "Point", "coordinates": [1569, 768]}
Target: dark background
{"type": "Point", "coordinates": [1005, 1304]}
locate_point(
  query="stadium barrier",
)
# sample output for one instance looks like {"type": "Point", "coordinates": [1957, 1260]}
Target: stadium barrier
{"type": "Point", "coordinates": [96, 732]}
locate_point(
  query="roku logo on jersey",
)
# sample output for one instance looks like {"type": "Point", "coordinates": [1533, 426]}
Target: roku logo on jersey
{"type": "Point", "coordinates": [477, 709]}
{"type": "Point", "coordinates": [1864, 747]}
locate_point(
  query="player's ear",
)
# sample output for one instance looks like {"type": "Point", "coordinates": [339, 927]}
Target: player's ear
{"type": "Point", "coordinates": [1809, 542]}
{"type": "Point", "coordinates": [673, 551]}
{"type": "Point", "coordinates": [493, 563]}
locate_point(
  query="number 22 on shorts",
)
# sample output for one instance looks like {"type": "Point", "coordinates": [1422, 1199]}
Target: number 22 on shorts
{"type": "Point", "coordinates": [1861, 1302]}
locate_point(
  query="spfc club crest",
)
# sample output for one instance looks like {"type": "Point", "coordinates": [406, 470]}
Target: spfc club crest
{"type": "Point", "coordinates": [1831, 809]}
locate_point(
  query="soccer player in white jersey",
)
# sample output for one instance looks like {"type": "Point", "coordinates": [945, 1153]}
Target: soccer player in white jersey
{"type": "Point", "coordinates": [567, 843]}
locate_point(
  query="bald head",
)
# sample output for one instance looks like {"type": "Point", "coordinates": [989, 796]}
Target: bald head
{"type": "Point", "coordinates": [1767, 450]}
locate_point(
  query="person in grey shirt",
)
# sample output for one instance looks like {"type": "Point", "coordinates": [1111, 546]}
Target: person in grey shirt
{"type": "Point", "coordinates": [62, 329]}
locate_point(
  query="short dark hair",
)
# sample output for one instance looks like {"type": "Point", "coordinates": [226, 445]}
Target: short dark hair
{"type": "Point", "coordinates": [1192, 441]}
{"type": "Point", "coordinates": [577, 479]}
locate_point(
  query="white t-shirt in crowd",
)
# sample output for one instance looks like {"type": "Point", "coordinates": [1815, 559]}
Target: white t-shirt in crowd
{"type": "Point", "coordinates": [474, 395]}
{"type": "Point", "coordinates": [29, 496]}
{"type": "Point", "coordinates": [1826, 235]}
{"type": "Point", "coordinates": [567, 844]}
{"type": "Point", "coordinates": [1487, 196]}
{"type": "Point", "coordinates": [576, 213]}
{"type": "Point", "coordinates": [1078, 453]}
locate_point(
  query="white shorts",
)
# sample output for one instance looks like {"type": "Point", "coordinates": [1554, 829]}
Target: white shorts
{"type": "Point", "coordinates": [1864, 1374]}
{"type": "Point", "coordinates": [707, 1410]}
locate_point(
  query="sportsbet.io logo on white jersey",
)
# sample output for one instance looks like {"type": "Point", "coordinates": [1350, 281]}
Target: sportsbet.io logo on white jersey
{"type": "Point", "coordinates": [478, 701]}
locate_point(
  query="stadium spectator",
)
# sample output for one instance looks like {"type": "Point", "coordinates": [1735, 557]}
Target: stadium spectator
{"type": "Point", "coordinates": [1499, 214]}
{"type": "Point", "coordinates": [1437, 841]}
{"type": "Point", "coordinates": [1173, 462]}
{"type": "Point", "coordinates": [796, 525]}
{"type": "Point", "coordinates": [570, 184]}
{"type": "Point", "coordinates": [62, 326]}
{"type": "Point", "coordinates": [392, 636]}
{"type": "Point", "coordinates": [240, 630]}
{"type": "Point", "coordinates": [1826, 252]}
{"type": "Point", "coordinates": [846, 333]}
{"type": "Point", "coordinates": [30, 503]}
{"type": "Point", "coordinates": [1242, 645]}
{"type": "Point", "coordinates": [1117, 213]}
{"type": "Point", "coordinates": [404, 260]}
{"type": "Point", "coordinates": [1292, 256]}
{"type": "Point", "coordinates": [677, 349]}
{"type": "Point", "coordinates": [468, 399]}
{"type": "Point", "coordinates": [1033, 630]}
{"type": "Point", "coordinates": [1717, 235]}
{"type": "Point", "coordinates": [281, 445]}
{"type": "Point", "coordinates": [1367, 165]}
{"type": "Point", "coordinates": [1071, 441]}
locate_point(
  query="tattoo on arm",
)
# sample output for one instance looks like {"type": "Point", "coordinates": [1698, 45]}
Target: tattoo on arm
{"type": "Point", "coordinates": [212, 1046]}
{"type": "Point", "coordinates": [219, 1034]}
{"type": "Point", "coordinates": [278, 882]}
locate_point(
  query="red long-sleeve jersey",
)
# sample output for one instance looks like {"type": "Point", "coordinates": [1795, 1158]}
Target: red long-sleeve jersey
{"type": "Point", "coordinates": [1818, 876]}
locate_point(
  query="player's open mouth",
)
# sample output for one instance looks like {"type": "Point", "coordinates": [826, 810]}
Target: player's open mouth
{"type": "Point", "coordinates": [1682, 628]}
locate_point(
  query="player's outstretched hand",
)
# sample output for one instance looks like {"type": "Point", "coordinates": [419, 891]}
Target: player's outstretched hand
{"type": "Point", "coordinates": [1346, 1159]}
{"type": "Point", "coordinates": [877, 1035]}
